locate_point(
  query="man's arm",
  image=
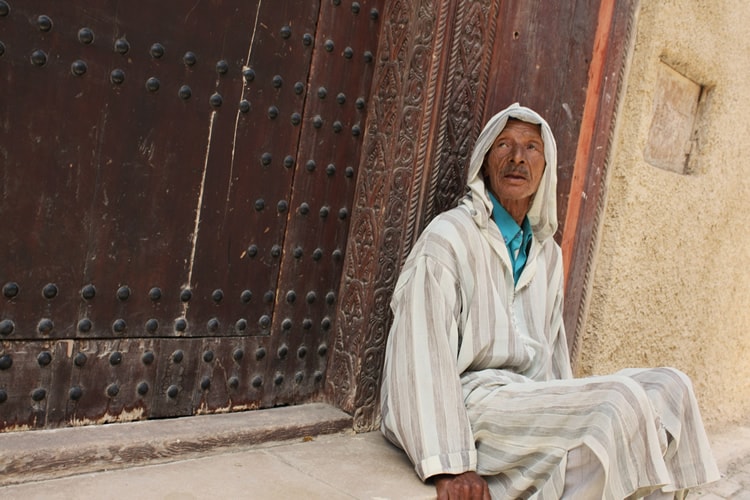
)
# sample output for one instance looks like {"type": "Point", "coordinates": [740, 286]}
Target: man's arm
{"type": "Point", "coordinates": [465, 486]}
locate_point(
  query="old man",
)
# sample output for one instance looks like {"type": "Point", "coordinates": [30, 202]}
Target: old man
{"type": "Point", "coordinates": [477, 385]}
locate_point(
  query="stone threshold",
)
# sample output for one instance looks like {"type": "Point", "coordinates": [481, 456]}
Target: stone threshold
{"type": "Point", "coordinates": [48, 454]}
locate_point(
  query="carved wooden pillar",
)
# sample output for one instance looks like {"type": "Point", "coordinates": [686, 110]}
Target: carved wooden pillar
{"type": "Point", "coordinates": [429, 89]}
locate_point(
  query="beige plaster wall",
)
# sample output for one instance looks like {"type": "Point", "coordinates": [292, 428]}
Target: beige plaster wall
{"type": "Point", "coordinates": [672, 278]}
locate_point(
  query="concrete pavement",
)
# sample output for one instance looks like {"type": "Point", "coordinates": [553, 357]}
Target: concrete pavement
{"type": "Point", "coordinates": [342, 465]}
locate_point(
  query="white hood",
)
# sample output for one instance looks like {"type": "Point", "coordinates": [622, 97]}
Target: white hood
{"type": "Point", "coordinates": [543, 212]}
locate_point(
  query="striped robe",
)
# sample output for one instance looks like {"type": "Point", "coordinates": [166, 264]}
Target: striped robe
{"type": "Point", "coordinates": [477, 377]}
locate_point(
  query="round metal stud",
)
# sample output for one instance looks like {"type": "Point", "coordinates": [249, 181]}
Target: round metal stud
{"type": "Point", "coordinates": [85, 36]}
{"type": "Point", "coordinates": [244, 105]}
{"type": "Point", "coordinates": [115, 358]}
{"type": "Point", "coordinates": [359, 103]}
{"type": "Point", "coordinates": [368, 56]}
{"type": "Point", "coordinates": [44, 23]}
{"type": "Point", "coordinates": [276, 251]}
{"type": "Point", "coordinates": [260, 353]}
{"type": "Point", "coordinates": [325, 324]}
{"type": "Point", "coordinates": [45, 326]}
{"type": "Point", "coordinates": [310, 165]}
{"type": "Point", "coordinates": [265, 159]}
{"type": "Point", "coordinates": [324, 211]}
{"type": "Point", "coordinates": [2, 48]}
{"type": "Point", "coordinates": [341, 98]}
{"type": "Point", "coordinates": [4, 8]}
{"type": "Point", "coordinates": [147, 358]}
{"type": "Point", "coordinates": [286, 32]}
{"type": "Point", "coordinates": [241, 325]}
{"type": "Point", "coordinates": [157, 51]}
{"type": "Point", "coordinates": [123, 293]}
{"type": "Point", "coordinates": [119, 326]}
{"type": "Point", "coordinates": [113, 390]}
{"type": "Point", "coordinates": [348, 52]}
{"type": "Point", "coordinates": [222, 67]}
{"type": "Point", "coordinates": [44, 358]}
{"type": "Point", "coordinates": [278, 379]}
{"type": "Point", "coordinates": [178, 356]}
{"type": "Point", "coordinates": [252, 250]}
{"type": "Point", "coordinates": [349, 172]}
{"type": "Point", "coordinates": [6, 361]}
{"type": "Point", "coordinates": [297, 252]}
{"type": "Point", "coordinates": [329, 45]}
{"type": "Point", "coordinates": [154, 294]}
{"type": "Point", "coordinates": [317, 121]}
{"type": "Point", "coordinates": [246, 296]}
{"type": "Point", "coordinates": [257, 381]}
{"type": "Point", "coordinates": [296, 119]}
{"type": "Point", "coordinates": [85, 325]}
{"type": "Point", "coordinates": [173, 391]}
{"type": "Point", "coordinates": [205, 383]}
{"type": "Point", "coordinates": [213, 325]}
{"type": "Point", "coordinates": [273, 112]}
{"type": "Point", "coordinates": [277, 81]}
{"type": "Point", "coordinates": [268, 297]}
{"type": "Point", "coordinates": [248, 74]}
{"type": "Point", "coordinates": [338, 126]}
{"type": "Point", "coordinates": [299, 87]}
{"type": "Point", "coordinates": [38, 394]}
{"type": "Point", "coordinates": [217, 295]}
{"type": "Point", "coordinates": [189, 58]}
{"type": "Point", "coordinates": [6, 327]}
{"type": "Point", "coordinates": [299, 377]}
{"type": "Point", "coordinates": [88, 292]}
{"type": "Point", "coordinates": [307, 39]}
{"type": "Point", "coordinates": [186, 294]}
{"type": "Point", "coordinates": [291, 296]}
{"type": "Point", "coordinates": [264, 321]}
{"type": "Point", "coordinates": [307, 323]}
{"type": "Point", "coordinates": [317, 254]}
{"type": "Point", "coordinates": [79, 360]}
{"type": "Point", "coordinates": [374, 14]}
{"type": "Point", "coordinates": [75, 393]}
{"type": "Point", "coordinates": [322, 92]}
{"type": "Point", "coordinates": [322, 349]}
{"type": "Point", "coordinates": [356, 130]}
{"type": "Point", "coordinates": [215, 100]}
{"type": "Point", "coordinates": [337, 255]}
{"type": "Point", "coordinates": [153, 84]}
{"type": "Point", "coordinates": [185, 92]}
{"type": "Point", "coordinates": [330, 298]}
{"type": "Point", "coordinates": [311, 296]}
{"type": "Point", "coordinates": [282, 206]}
{"type": "Point", "coordinates": [286, 324]}
{"type": "Point", "coordinates": [142, 388]}
{"type": "Point", "coordinates": [282, 352]}
{"type": "Point", "coordinates": [318, 375]}
{"type": "Point", "coordinates": [122, 46]}
{"type": "Point", "coordinates": [3, 396]}
{"type": "Point", "coordinates": [38, 58]}
{"type": "Point", "coordinates": [343, 213]}
{"type": "Point", "coordinates": [180, 324]}
{"type": "Point", "coordinates": [301, 352]}
{"type": "Point", "coordinates": [49, 291]}
{"type": "Point", "coordinates": [336, 2]}
{"type": "Point", "coordinates": [238, 354]}
{"type": "Point", "coordinates": [356, 7]}
{"type": "Point", "coordinates": [152, 325]}
{"type": "Point", "coordinates": [304, 208]}
{"type": "Point", "coordinates": [233, 382]}
{"type": "Point", "coordinates": [11, 289]}
{"type": "Point", "coordinates": [289, 161]}
{"type": "Point", "coordinates": [260, 204]}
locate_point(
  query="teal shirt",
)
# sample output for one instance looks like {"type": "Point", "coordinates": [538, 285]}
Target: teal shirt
{"type": "Point", "coordinates": [517, 239]}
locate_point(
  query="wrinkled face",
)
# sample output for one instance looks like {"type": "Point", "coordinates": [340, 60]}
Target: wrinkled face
{"type": "Point", "coordinates": [514, 164]}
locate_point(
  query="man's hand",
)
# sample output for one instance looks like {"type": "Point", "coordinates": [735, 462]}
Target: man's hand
{"type": "Point", "coordinates": [466, 486]}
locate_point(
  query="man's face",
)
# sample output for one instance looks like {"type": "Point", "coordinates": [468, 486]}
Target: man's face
{"type": "Point", "coordinates": [515, 162]}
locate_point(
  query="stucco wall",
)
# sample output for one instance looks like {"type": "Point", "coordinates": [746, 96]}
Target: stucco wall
{"type": "Point", "coordinates": [672, 278]}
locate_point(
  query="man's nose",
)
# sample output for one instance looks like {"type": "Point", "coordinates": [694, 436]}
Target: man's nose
{"type": "Point", "coordinates": [518, 154]}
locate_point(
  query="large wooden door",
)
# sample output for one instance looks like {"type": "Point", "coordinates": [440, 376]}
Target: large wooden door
{"type": "Point", "coordinates": [177, 182]}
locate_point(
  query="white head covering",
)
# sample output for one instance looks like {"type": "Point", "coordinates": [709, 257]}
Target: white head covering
{"type": "Point", "coordinates": [543, 211]}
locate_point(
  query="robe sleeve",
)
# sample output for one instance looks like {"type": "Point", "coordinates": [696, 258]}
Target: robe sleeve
{"type": "Point", "coordinates": [561, 368]}
{"type": "Point", "coordinates": [422, 399]}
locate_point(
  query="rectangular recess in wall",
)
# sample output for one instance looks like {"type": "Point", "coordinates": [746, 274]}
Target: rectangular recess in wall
{"type": "Point", "coordinates": [672, 136]}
